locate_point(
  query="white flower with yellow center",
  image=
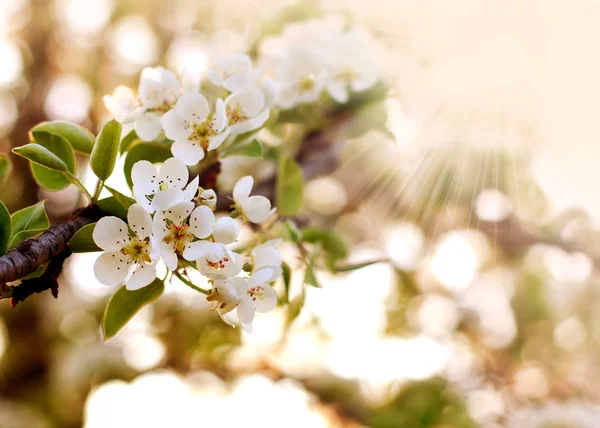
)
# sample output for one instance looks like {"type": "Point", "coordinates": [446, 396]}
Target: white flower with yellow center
{"type": "Point", "coordinates": [177, 227]}
{"type": "Point", "coordinates": [124, 104]}
{"type": "Point", "coordinates": [193, 131]}
{"type": "Point", "coordinates": [124, 251]}
{"type": "Point", "coordinates": [257, 296]}
{"type": "Point", "coordinates": [234, 73]}
{"type": "Point", "coordinates": [246, 110]}
{"type": "Point", "coordinates": [160, 190]}
{"type": "Point", "coordinates": [255, 208]}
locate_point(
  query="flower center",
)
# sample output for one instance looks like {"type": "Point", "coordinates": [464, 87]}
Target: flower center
{"type": "Point", "coordinates": [307, 83]}
{"type": "Point", "coordinates": [235, 115]}
{"type": "Point", "coordinates": [348, 75]}
{"type": "Point", "coordinates": [162, 108]}
{"type": "Point", "coordinates": [201, 132]}
{"type": "Point", "coordinates": [179, 235]}
{"type": "Point", "coordinates": [137, 250]}
{"type": "Point", "coordinates": [256, 292]}
{"type": "Point", "coordinates": [219, 264]}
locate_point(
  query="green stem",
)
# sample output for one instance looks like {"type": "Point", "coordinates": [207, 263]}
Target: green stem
{"type": "Point", "coordinates": [80, 186]}
{"type": "Point", "coordinates": [99, 187]}
{"type": "Point", "coordinates": [189, 283]}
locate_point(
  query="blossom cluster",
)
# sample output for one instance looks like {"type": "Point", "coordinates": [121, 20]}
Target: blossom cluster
{"type": "Point", "coordinates": [173, 221]}
{"type": "Point", "coordinates": [196, 122]}
{"type": "Point", "coordinates": [316, 55]}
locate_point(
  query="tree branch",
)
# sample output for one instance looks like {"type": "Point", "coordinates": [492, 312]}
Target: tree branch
{"type": "Point", "coordinates": [34, 252]}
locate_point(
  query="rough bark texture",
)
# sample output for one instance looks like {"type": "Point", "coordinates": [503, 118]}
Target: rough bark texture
{"type": "Point", "coordinates": [34, 252]}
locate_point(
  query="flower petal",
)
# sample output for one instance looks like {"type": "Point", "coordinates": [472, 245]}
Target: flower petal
{"type": "Point", "coordinates": [257, 208]}
{"type": "Point", "coordinates": [111, 268]}
{"type": "Point", "coordinates": [202, 221]}
{"type": "Point", "coordinates": [250, 102]}
{"type": "Point", "coordinates": [219, 119]}
{"type": "Point", "coordinates": [165, 199]}
{"type": "Point", "coordinates": [159, 226]}
{"type": "Point", "coordinates": [337, 90]}
{"type": "Point", "coordinates": [216, 140]}
{"type": "Point", "coordinates": [265, 301]}
{"type": "Point", "coordinates": [175, 127]}
{"type": "Point", "coordinates": [139, 220]}
{"type": "Point", "coordinates": [192, 106]}
{"type": "Point", "coordinates": [226, 230]}
{"type": "Point", "coordinates": [251, 124]}
{"type": "Point", "coordinates": [266, 255]}
{"type": "Point", "coordinates": [190, 191]}
{"type": "Point", "coordinates": [110, 233]}
{"type": "Point", "coordinates": [168, 255]}
{"type": "Point", "coordinates": [143, 176]}
{"type": "Point", "coordinates": [157, 87]}
{"type": "Point", "coordinates": [242, 189]}
{"type": "Point", "coordinates": [187, 152]}
{"type": "Point", "coordinates": [141, 198]}
{"type": "Point", "coordinates": [141, 276]}
{"type": "Point", "coordinates": [198, 250]}
{"type": "Point", "coordinates": [245, 310]}
{"type": "Point", "coordinates": [179, 212]}
{"type": "Point", "coordinates": [233, 266]}
{"type": "Point", "coordinates": [148, 126]}
{"type": "Point", "coordinates": [259, 277]}
{"type": "Point", "coordinates": [173, 173]}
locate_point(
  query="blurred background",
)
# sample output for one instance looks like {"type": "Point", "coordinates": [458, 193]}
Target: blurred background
{"type": "Point", "coordinates": [483, 197]}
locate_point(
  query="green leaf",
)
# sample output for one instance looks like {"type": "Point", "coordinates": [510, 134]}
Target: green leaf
{"type": "Point", "coordinates": [331, 242]}
{"type": "Point", "coordinates": [82, 241]}
{"type": "Point", "coordinates": [111, 206]}
{"type": "Point", "coordinates": [290, 187]}
{"type": "Point", "coordinates": [105, 151]}
{"type": "Point", "coordinates": [5, 167]}
{"type": "Point", "coordinates": [28, 222]}
{"type": "Point", "coordinates": [49, 179]}
{"type": "Point", "coordinates": [287, 279]}
{"type": "Point", "coordinates": [124, 304]}
{"type": "Point", "coordinates": [292, 231]}
{"type": "Point", "coordinates": [356, 266]}
{"type": "Point", "coordinates": [253, 149]}
{"type": "Point", "coordinates": [309, 274]}
{"type": "Point", "coordinates": [23, 235]}
{"type": "Point", "coordinates": [5, 228]}
{"type": "Point", "coordinates": [41, 156]}
{"type": "Point", "coordinates": [125, 201]}
{"type": "Point", "coordinates": [128, 141]}
{"type": "Point", "coordinates": [294, 309]}
{"type": "Point", "coordinates": [80, 138]}
{"type": "Point", "coordinates": [150, 151]}
{"type": "Point", "coordinates": [33, 217]}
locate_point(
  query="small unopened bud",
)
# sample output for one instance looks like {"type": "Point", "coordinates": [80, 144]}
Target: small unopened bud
{"type": "Point", "coordinates": [208, 197]}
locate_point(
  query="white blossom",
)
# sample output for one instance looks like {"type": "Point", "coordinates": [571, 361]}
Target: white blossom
{"type": "Point", "coordinates": [124, 252]}
{"type": "Point", "coordinates": [257, 296]}
{"type": "Point", "coordinates": [234, 73]}
{"type": "Point", "coordinates": [189, 125]}
{"type": "Point", "coordinates": [124, 104]}
{"type": "Point", "coordinates": [255, 208]}
{"type": "Point", "coordinates": [160, 190]}
{"type": "Point", "coordinates": [246, 110]}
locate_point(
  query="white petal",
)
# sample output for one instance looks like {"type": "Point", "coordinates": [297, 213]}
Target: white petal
{"type": "Point", "coordinates": [242, 189]}
{"type": "Point", "coordinates": [216, 140]}
{"type": "Point", "coordinates": [139, 220]}
{"type": "Point", "coordinates": [233, 265]}
{"type": "Point", "coordinates": [363, 81]}
{"type": "Point", "coordinates": [159, 226]}
{"type": "Point", "coordinates": [110, 233]}
{"type": "Point", "coordinates": [192, 106]}
{"type": "Point", "coordinates": [157, 87]}
{"type": "Point", "coordinates": [168, 255]}
{"type": "Point", "coordinates": [174, 173]}
{"type": "Point", "coordinates": [245, 311]}
{"type": "Point", "coordinates": [251, 124]}
{"type": "Point", "coordinates": [267, 301]}
{"type": "Point", "coordinates": [140, 198]}
{"type": "Point", "coordinates": [148, 126]}
{"type": "Point", "coordinates": [143, 175]}
{"type": "Point", "coordinates": [141, 276]}
{"type": "Point", "coordinates": [165, 199]}
{"type": "Point", "coordinates": [219, 119]}
{"type": "Point", "coordinates": [190, 191]}
{"type": "Point", "coordinates": [179, 212]}
{"type": "Point", "coordinates": [266, 255]}
{"type": "Point", "coordinates": [111, 268]}
{"type": "Point", "coordinates": [259, 277]}
{"type": "Point", "coordinates": [237, 82]}
{"type": "Point", "coordinates": [226, 230]}
{"type": "Point", "coordinates": [241, 284]}
{"type": "Point", "coordinates": [338, 91]}
{"type": "Point", "coordinates": [269, 88]}
{"type": "Point", "coordinates": [153, 250]}
{"type": "Point", "coordinates": [227, 290]}
{"type": "Point", "coordinates": [257, 208]}
{"type": "Point", "coordinates": [175, 127]}
{"type": "Point", "coordinates": [202, 221]}
{"type": "Point", "coordinates": [197, 250]}
{"type": "Point", "coordinates": [251, 101]}
{"type": "Point", "coordinates": [247, 327]}
{"type": "Point", "coordinates": [187, 152]}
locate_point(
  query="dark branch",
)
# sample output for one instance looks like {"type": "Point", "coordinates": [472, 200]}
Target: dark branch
{"type": "Point", "coordinates": [34, 252]}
